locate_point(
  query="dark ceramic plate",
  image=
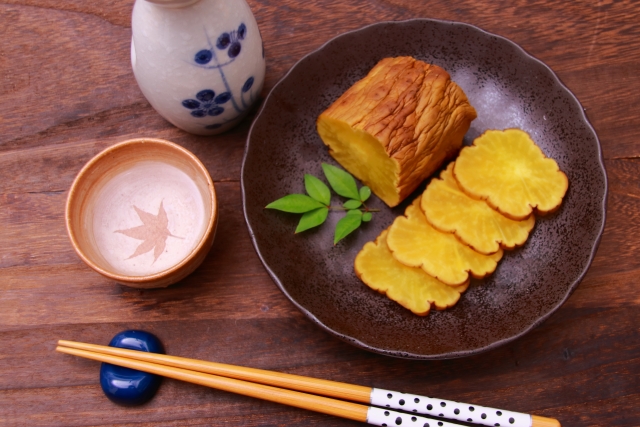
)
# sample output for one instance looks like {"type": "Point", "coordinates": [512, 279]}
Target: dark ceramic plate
{"type": "Point", "coordinates": [508, 88]}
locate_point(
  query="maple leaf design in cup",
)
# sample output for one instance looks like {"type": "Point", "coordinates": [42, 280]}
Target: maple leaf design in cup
{"type": "Point", "coordinates": [153, 233]}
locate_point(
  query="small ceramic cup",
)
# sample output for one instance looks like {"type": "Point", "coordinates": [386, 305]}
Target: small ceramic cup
{"type": "Point", "coordinates": [143, 213]}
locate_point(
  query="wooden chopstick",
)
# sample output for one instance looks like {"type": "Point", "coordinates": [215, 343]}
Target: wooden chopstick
{"type": "Point", "coordinates": [335, 389]}
{"type": "Point", "coordinates": [340, 408]}
{"type": "Point", "coordinates": [214, 373]}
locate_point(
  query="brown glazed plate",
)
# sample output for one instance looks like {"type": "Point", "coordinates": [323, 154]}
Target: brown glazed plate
{"type": "Point", "coordinates": [509, 88]}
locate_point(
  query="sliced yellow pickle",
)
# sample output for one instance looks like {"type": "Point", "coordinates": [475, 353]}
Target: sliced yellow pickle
{"type": "Point", "coordinates": [408, 286]}
{"type": "Point", "coordinates": [509, 171]}
{"type": "Point", "coordinates": [416, 243]}
{"type": "Point", "coordinates": [473, 221]}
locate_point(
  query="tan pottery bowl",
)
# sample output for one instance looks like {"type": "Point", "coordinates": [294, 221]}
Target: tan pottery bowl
{"type": "Point", "coordinates": [143, 213]}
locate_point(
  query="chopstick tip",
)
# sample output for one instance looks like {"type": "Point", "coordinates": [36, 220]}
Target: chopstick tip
{"type": "Point", "coordinates": [537, 421]}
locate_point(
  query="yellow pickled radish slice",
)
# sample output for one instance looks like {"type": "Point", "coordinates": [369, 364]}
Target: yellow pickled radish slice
{"type": "Point", "coordinates": [408, 286]}
{"type": "Point", "coordinates": [473, 221]}
{"type": "Point", "coordinates": [416, 243]}
{"type": "Point", "coordinates": [509, 171]}
{"type": "Point", "coordinates": [459, 288]}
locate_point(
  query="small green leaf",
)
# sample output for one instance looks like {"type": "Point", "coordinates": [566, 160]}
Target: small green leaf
{"type": "Point", "coordinates": [366, 217]}
{"type": "Point", "coordinates": [341, 182]}
{"type": "Point", "coordinates": [354, 212]}
{"type": "Point", "coordinates": [295, 203]}
{"type": "Point", "coordinates": [317, 189]}
{"type": "Point", "coordinates": [352, 204]}
{"type": "Point", "coordinates": [365, 193]}
{"type": "Point", "coordinates": [350, 222]}
{"type": "Point", "coordinates": [312, 219]}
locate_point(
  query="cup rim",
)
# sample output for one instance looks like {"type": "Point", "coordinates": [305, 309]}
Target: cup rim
{"type": "Point", "coordinates": [141, 280]}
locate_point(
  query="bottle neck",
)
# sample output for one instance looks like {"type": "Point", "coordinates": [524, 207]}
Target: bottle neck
{"type": "Point", "coordinates": [173, 3]}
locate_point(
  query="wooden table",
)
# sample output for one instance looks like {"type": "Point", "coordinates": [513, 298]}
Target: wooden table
{"type": "Point", "coordinates": [67, 92]}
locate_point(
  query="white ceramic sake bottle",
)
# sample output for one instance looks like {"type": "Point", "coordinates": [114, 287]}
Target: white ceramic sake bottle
{"type": "Point", "coordinates": [199, 63]}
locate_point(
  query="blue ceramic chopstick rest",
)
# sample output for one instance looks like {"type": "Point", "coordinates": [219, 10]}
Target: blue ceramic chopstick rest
{"type": "Point", "coordinates": [126, 386]}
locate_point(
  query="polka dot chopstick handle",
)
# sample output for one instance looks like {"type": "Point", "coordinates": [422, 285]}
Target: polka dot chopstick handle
{"type": "Point", "coordinates": [446, 409]}
{"type": "Point", "coordinates": [388, 418]}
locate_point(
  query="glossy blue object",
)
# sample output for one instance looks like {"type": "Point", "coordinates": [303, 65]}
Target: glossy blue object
{"type": "Point", "coordinates": [126, 386]}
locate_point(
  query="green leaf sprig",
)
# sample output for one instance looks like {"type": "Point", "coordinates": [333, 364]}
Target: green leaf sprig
{"type": "Point", "coordinates": [315, 206]}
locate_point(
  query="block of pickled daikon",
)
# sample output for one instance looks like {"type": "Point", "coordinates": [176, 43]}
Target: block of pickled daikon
{"type": "Point", "coordinates": [396, 126]}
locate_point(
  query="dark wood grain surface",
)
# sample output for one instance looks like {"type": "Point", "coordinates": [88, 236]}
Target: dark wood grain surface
{"type": "Point", "coordinates": [67, 92]}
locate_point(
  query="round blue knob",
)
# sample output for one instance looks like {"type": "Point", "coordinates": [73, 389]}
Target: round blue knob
{"type": "Point", "coordinates": [126, 386]}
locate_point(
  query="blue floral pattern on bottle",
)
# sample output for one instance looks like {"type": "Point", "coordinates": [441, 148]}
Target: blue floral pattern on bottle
{"type": "Point", "coordinates": [247, 85]}
{"type": "Point", "coordinates": [232, 41]}
{"type": "Point", "coordinates": [207, 103]}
